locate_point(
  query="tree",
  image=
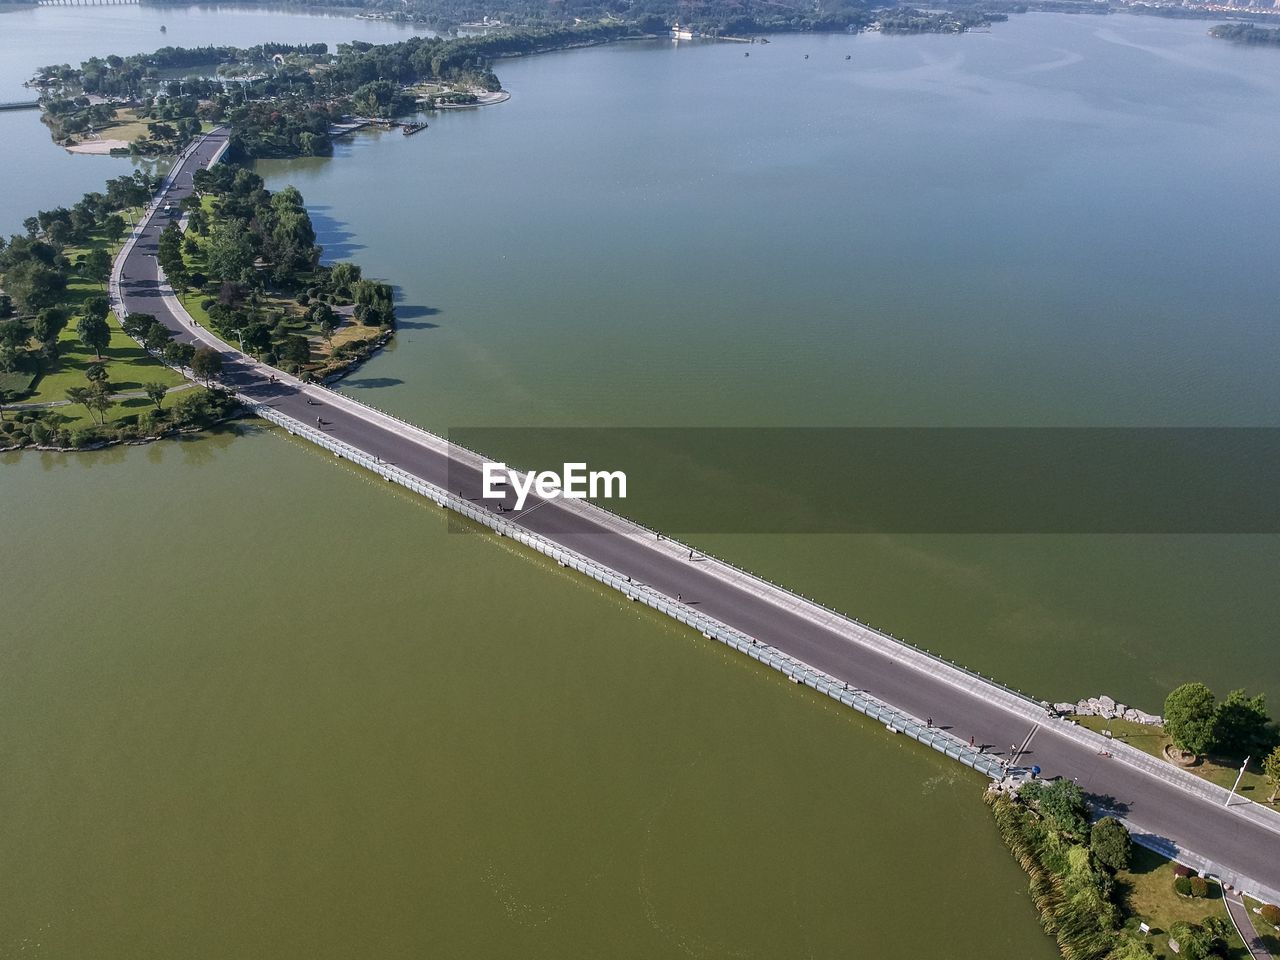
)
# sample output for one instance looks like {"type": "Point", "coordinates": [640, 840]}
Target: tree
{"type": "Point", "coordinates": [48, 326]}
{"type": "Point", "coordinates": [96, 399]}
{"type": "Point", "coordinates": [177, 354]}
{"type": "Point", "coordinates": [1061, 803]}
{"type": "Point", "coordinates": [96, 373]}
{"type": "Point", "coordinates": [34, 284]}
{"type": "Point", "coordinates": [342, 275]}
{"type": "Point", "coordinates": [100, 399]}
{"type": "Point", "coordinates": [206, 364]}
{"type": "Point", "coordinates": [97, 265]}
{"type": "Point", "coordinates": [295, 348]}
{"type": "Point", "coordinates": [1109, 841]}
{"type": "Point", "coordinates": [155, 393]}
{"type": "Point", "coordinates": [1241, 727]}
{"type": "Point", "coordinates": [94, 333]}
{"type": "Point", "coordinates": [82, 396]}
{"type": "Point", "coordinates": [136, 325]}
{"type": "Point", "coordinates": [193, 409]}
{"type": "Point", "coordinates": [1189, 715]}
{"type": "Point", "coordinates": [229, 254]}
{"type": "Point", "coordinates": [176, 274]}
{"type": "Point", "coordinates": [157, 338]}
{"type": "Point", "coordinates": [1271, 767]}
{"type": "Point", "coordinates": [113, 226]}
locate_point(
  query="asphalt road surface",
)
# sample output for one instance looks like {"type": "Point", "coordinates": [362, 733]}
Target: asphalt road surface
{"type": "Point", "coordinates": [1239, 844]}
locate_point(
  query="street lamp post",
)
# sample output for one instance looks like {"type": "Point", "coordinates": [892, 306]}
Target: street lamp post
{"type": "Point", "coordinates": [1239, 777]}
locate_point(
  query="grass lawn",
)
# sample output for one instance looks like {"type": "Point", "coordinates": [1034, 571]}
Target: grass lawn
{"type": "Point", "coordinates": [1148, 895]}
{"type": "Point", "coordinates": [1153, 740]}
{"type": "Point", "coordinates": [128, 365]}
{"type": "Point", "coordinates": [127, 126]}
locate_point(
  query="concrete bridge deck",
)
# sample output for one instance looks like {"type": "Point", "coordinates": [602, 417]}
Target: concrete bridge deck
{"type": "Point", "coordinates": [896, 684]}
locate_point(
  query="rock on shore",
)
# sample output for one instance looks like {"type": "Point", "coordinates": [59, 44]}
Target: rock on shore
{"type": "Point", "coordinates": [1108, 709]}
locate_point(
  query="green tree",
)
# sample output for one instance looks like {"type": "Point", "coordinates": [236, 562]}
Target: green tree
{"type": "Point", "coordinates": [34, 284]}
{"type": "Point", "coordinates": [206, 364]}
{"type": "Point", "coordinates": [155, 392]}
{"type": "Point", "coordinates": [295, 348]}
{"type": "Point", "coordinates": [1061, 803]}
{"type": "Point", "coordinates": [113, 226]}
{"type": "Point", "coordinates": [1271, 767]}
{"type": "Point", "coordinates": [136, 325]}
{"type": "Point", "coordinates": [157, 338]}
{"type": "Point", "coordinates": [1189, 714]}
{"type": "Point", "coordinates": [100, 399]}
{"type": "Point", "coordinates": [1109, 841]}
{"type": "Point", "coordinates": [1241, 727]}
{"type": "Point", "coordinates": [342, 275]}
{"type": "Point", "coordinates": [229, 255]}
{"type": "Point", "coordinates": [177, 354]}
{"type": "Point", "coordinates": [84, 397]}
{"type": "Point", "coordinates": [48, 326]}
{"type": "Point", "coordinates": [13, 335]}
{"type": "Point", "coordinates": [97, 265]}
{"type": "Point", "coordinates": [93, 332]}
{"type": "Point", "coordinates": [96, 373]}
{"type": "Point", "coordinates": [193, 409]}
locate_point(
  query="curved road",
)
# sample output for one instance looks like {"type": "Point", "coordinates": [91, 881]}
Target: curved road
{"type": "Point", "coordinates": [1241, 843]}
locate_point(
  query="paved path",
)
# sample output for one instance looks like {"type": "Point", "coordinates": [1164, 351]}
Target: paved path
{"type": "Point", "coordinates": [1167, 808]}
{"type": "Point", "coordinates": [1243, 920]}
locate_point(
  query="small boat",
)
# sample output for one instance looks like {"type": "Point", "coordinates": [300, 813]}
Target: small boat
{"type": "Point", "coordinates": [848, 56]}
{"type": "Point", "coordinates": [806, 56]}
{"type": "Point", "coordinates": [746, 53]}
{"type": "Point", "coordinates": [163, 28]}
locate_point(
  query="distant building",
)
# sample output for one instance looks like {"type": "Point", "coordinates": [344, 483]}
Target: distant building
{"type": "Point", "coordinates": [682, 33]}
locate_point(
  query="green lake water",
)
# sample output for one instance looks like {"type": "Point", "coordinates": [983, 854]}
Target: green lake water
{"type": "Point", "coordinates": [256, 703]}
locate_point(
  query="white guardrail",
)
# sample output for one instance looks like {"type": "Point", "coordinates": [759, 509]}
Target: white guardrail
{"type": "Point", "coordinates": [1013, 701]}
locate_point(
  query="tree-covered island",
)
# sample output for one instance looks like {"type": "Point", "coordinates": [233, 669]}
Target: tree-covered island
{"type": "Point", "coordinates": [284, 99]}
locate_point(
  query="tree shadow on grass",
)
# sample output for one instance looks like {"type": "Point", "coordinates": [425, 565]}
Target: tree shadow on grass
{"type": "Point", "coordinates": [1143, 860]}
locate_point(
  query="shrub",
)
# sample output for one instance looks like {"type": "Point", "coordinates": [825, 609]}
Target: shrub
{"type": "Point", "coordinates": [1182, 871]}
{"type": "Point", "coordinates": [1199, 887]}
{"type": "Point", "coordinates": [206, 303]}
{"type": "Point", "coordinates": [1182, 885]}
{"type": "Point", "coordinates": [1270, 914]}
{"type": "Point", "coordinates": [83, 436]}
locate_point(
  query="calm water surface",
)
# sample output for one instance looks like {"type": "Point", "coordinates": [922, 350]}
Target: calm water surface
{"type": "Point", "coordinates": [258, 704]}
{"type": "Point", "coordinates": [1026, 227]}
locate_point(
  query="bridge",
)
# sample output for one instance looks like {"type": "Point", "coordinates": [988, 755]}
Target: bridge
{"type": "Point", "coordinates": [970, 717]}
{"type": "Point", "coordinates": [20, 105]}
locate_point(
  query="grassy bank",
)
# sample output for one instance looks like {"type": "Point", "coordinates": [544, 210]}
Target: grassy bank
{"type": "Point", "coordinates": [1153, 740]}
{"type": "Point", "coordinates": [1093, 912]}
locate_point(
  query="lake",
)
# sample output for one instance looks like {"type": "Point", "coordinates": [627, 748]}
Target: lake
{"type": "Point", "coordinates": [259, 704]}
